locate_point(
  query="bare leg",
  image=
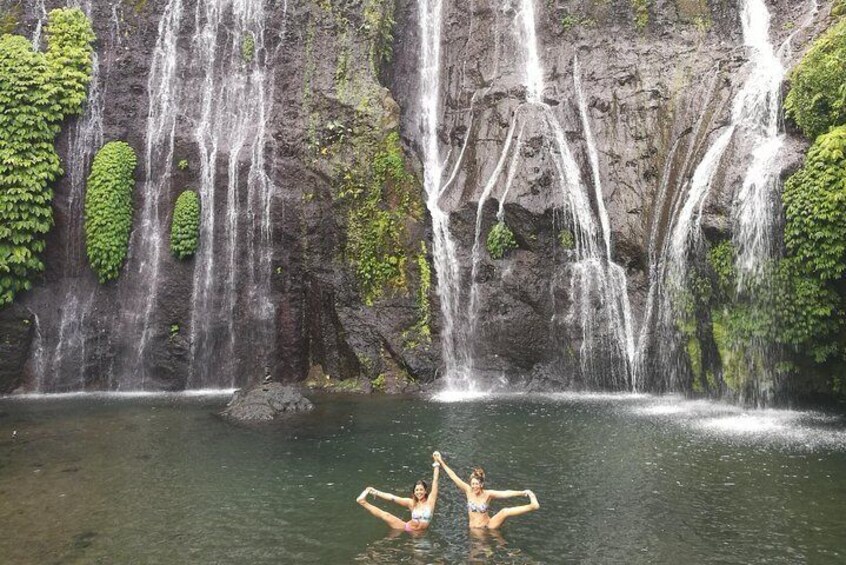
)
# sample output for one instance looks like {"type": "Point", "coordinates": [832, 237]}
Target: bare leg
{"type": "Point", "coordinates": [500, 516]}
{"type": "Point", "coordinates": [392, 521]}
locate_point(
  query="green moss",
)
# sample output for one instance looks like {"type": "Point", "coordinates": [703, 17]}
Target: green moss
{"type": "Point", "coordinates": [641, 13]}
{"type": "Point", "coordinates": [185, 226]}
{"type": "Point", "coordinates": [10, 20]}
{"type": "Point", "coordinates": [108, 208]}
{"type": "Point", "coordinates": [380, 197]}
{"type": "Point", "coordinates": [379, 29]}
{"type": "Point", "coordinates": [37, 92]}
{"type": "Point", "coordinates": [817, 97]}
{"type": "Point", "coordinates": [421, 332]}
{"type": "Point", "coordinates": [379, 382]}
{"type": "Point", "coordinates": [500, 240]}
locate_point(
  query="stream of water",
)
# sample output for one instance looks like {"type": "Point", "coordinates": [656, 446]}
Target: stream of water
{"type": "Point", "coordinates": [620, 479]}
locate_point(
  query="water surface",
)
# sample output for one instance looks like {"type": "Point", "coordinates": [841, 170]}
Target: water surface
{"type": "Point", "coordinates": [626, 479]}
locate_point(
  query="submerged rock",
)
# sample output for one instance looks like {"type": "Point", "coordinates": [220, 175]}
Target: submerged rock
{"type": "Point", "coordinates": [265, 402]}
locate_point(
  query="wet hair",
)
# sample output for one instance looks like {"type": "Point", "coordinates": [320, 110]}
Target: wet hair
{"type": "Point", "coordinates": [422, 483]}
{"type": "Point", "coordinates": [478, 474]}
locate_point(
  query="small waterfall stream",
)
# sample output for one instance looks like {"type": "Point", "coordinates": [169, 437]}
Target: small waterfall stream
{"type": "Point", "coordinates": [454, 333]}
{"type": "Point", "coordinates": [148, 236]}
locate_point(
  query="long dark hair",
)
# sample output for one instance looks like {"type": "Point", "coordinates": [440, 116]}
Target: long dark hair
{"type": "Point", "coordinates": [425, 486]}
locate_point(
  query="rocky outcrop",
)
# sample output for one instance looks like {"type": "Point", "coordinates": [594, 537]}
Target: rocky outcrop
{"type": "Point", "coordinates": [265, 402]}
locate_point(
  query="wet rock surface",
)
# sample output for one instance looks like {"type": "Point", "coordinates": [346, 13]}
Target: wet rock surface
{"type": "Point", "coordinates": [656, 95]}
{"type": "Point", "coordinates": [266, 402]}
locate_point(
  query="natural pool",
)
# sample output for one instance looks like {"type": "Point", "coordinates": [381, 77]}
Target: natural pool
{"type": "Point", "coordinates": [620, 479]}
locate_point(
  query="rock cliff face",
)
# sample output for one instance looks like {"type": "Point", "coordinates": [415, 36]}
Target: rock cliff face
{"type": "Point", "coordinates": [280, 284]}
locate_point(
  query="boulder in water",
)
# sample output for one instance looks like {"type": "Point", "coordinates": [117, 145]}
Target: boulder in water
{"type": "Point", "coordinates": [266, 402]}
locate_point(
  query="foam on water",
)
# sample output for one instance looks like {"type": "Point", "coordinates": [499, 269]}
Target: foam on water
{"type": "Point", "coordinates": [121, 395]}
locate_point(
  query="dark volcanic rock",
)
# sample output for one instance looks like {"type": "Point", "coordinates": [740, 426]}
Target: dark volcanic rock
{"type": "Point", "coordinates": [266, 402]}
{"type": "Point", "coordinates": [17, 327]}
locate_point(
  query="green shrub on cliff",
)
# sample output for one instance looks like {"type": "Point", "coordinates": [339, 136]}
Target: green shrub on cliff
{"type": "Point", "coordinates": [817, 97]}
{"type": "Point", "coordinates": [108, 208]}
{"type": "Point", "coordinates": [500, 240]}
{"type": "Point", "coordinates": [37, 92]}
{"type": "Point", "coordinates": [185, 226]}
{"type": "Point", "coordinates": [809, 278]}
{"type": "Point", "coordinates": [815, 208]}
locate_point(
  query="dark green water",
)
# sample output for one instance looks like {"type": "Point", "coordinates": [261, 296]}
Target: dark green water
{"type": "Point", "coordinates": [619, 479]}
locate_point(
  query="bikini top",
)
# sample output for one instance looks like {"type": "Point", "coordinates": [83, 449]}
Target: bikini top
{"type": "Point", "coordinates": [422, 514]}
{"type": "Point", "coordinates": [473, 507]}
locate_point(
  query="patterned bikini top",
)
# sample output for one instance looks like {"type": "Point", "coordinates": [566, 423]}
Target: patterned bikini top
{"type": "Point", "coordinates": [422, 514]}
{"type": "Point", "coordinates": [473, 507]}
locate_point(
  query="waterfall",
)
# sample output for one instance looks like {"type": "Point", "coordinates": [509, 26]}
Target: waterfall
{"type": "Point", "coordinates": [754, 124]}
{"type": "Point", "coordinates": [233, 113]}
{"type": "Point", "coordinates": [148, 237]}
{"type": "Point", "coordinates": [598, 290]}
{"type": "Point", "coordinates": [41, 11]}
{"type": "Point", "coordinates": [444, 249]}
{"type": "Point", "coordinates": [62, 355]}
{"type": "Point", "coordinates": [219, 82]}
{"type": "Point", "coordinates": [758, 108]}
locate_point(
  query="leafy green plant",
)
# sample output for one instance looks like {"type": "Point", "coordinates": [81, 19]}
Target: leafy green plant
{"type": "Point", "coordinates": [379, 29]}
{"type": "Point", "coordinates": [182, 165]}
{"type": "Point", "coordinates": [37, 92]}
{"type": "Point", "coordinates": [248, 47]}
{"type": "Point", "coordinates": [566, 239]}
{"type": "Point", "coordinates": [108, 208]}
{"type": "Point", "coordinates": [817, 97]}
{"type": "Point", "coordinates": [500, 240]}
{"type": "Point", "coordinates": [185, 226]}
{"type": "Point", "coordinates": [815, 208]}
{"type": "Point", "coordinates": [721, 260]}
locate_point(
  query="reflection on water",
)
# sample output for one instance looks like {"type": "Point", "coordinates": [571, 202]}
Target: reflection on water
{"type": "Point", "coordinates": [620, 479]}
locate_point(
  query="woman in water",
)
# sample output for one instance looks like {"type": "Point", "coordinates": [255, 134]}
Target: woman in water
{"type": "Point", "coordinates": [478, 498]}
{"type": "Point", "coordinates": [421, 504]}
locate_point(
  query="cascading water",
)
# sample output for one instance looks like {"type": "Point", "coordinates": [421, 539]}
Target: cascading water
{"type": "Point", "coordinates": [230, 108]}
{"type": "Point", "coordinates": [233, 102]}
{"type": "Point", "coordinates": [756, 207]}
{"type": "Point", "coordinates": [597, 286]}
{"type": "Point", "coordinates": [148, 238]}
{"type": "Point", "coordinates": [754, 124]}
{"type": "Point", "coordinates": [62, 354]}
{"type": "Point", "coordinates": [454, 337]}
{"type": "Point", "coordinates": [41, 15]}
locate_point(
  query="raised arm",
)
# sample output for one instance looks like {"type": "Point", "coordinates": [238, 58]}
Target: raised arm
{"type": "Point", "coordinates": [433, 494]}
{"type": "Point", "coordinates": [407, 502]}
{"type": "Point", "coordinates": [506, 493]}
{"type": "Point", "coordinates": [455, 478]}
